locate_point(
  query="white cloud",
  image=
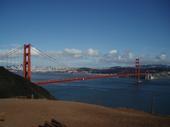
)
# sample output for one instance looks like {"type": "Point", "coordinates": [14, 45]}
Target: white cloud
{"type": "Point", "coordinates": [113, 52]}
{"type": "Point", "coordinates": [130, 55]}
{"type": "Point", "coordinates": [89, 57]}
{"type": "Point", "coordinates": [92, 52]}
{"type": "Point", "coordinates": [127, 55]}
{"type": "Point", "coordinates": [72, 52]}
{"type": "Point", "coordinates": [34, 51]}
{"type": "Point", "coordinates": [162, 56]}
{"type": "Point", "coordinates": [55, 53]}
{"type": "Point", "coordinates": [10, 53]}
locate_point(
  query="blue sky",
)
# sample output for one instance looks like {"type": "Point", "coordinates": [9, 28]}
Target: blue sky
{"type": "Point", "coordinates": [134, 27]}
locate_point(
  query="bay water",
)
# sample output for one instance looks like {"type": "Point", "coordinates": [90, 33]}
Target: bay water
{"type": "Point", "coordinates": [150, 95]}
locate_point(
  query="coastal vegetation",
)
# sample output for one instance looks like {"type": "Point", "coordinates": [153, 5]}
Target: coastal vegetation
{"type": "Point", "coordinates": [15, 86]}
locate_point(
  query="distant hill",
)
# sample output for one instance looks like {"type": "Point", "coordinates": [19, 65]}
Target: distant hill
{"type": "Point", "coordinates": [119, 69]}
{"type": "Point", "coordinates": [12, 85]}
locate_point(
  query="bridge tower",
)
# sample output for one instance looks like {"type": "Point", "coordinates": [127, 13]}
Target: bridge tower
{"type": "Point", "coordinates": [27, 61]}
{"type": "Point", "coordinates": [137, 70]}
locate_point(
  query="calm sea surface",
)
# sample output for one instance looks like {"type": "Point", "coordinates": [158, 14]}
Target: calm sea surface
{"type": "Point", "coordinates": [112, 92]}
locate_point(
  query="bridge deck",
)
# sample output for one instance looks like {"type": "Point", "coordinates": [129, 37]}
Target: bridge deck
{"type": "Point", "coordinates": [99, 76]}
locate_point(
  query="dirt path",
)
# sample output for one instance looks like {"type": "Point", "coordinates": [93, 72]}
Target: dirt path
{"type": "Point", "coordinates": [31, 113]}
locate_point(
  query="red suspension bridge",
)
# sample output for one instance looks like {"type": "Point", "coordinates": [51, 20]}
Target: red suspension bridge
{"type": "Point", "coordinates": [26, 65]}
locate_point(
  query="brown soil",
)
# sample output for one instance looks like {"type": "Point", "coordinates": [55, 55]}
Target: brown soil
{"type": "Point", "coordinates": [31, 113]}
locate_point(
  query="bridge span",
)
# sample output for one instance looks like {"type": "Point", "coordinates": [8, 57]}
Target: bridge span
{"type": "Point", "coordinates": [92, 77]}
{"type": "Point", "coordinates": [27, 67]}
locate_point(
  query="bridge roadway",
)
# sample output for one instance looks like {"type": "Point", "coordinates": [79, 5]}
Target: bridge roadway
{"type": "Point", "coordinates": [97, 76]}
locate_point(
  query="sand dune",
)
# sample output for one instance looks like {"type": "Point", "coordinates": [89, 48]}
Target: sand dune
{"type": "Point", "coordinates": [31, 113]}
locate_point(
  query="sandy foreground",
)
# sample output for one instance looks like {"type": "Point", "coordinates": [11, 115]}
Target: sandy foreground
{"type": "Point", "coordinates": [31, 113]}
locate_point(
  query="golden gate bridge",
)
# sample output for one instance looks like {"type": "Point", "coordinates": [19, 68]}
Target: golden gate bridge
{"type": "Point", "coordinates": [25, 58]}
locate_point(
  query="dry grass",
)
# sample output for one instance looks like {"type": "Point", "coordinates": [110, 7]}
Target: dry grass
{"type": "Point", "coordinates": [31, 113]}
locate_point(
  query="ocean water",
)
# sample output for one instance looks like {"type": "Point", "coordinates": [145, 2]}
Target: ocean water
{"type": "Point", "coordinates": [112, 92]}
